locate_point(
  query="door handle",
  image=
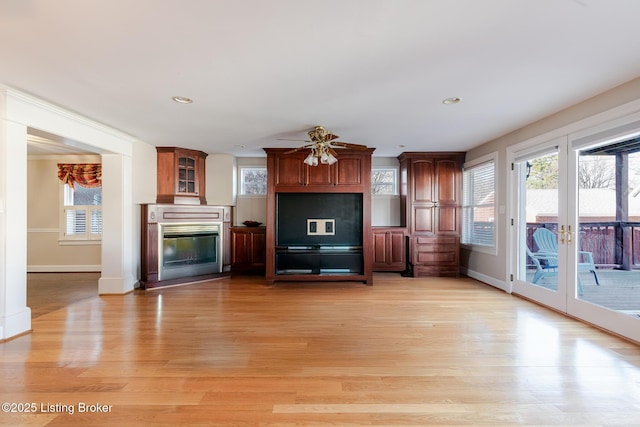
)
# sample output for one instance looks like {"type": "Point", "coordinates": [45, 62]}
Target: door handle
{"type": "Point", "coordinates": [569, 235]}
{"type": "Point", "coordinates": [562, 232]}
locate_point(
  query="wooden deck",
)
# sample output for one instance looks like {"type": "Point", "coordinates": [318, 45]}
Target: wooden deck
{"type": "Point", "coordinates": [235, 352]}
{"type": "Point", "coordinates": [618, 290]}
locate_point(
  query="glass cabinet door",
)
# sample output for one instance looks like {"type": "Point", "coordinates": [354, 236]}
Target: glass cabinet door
{"type": "Point", "coordinates": [186, 175]}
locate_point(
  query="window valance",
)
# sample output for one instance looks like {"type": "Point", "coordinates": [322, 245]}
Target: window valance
{"type": "Point", "coordinates": [87, 175]}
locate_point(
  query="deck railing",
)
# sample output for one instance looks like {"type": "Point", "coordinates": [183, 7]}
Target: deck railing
{"type": "Point", "coordinates": [605, 240]}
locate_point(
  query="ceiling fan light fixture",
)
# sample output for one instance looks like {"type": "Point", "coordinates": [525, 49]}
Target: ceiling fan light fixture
{"type": "Point", "coordinates": [324, 158]}
{"type": "Point", "coordinates": [322, 147]}
{"type": "Point", "coordinates": [311, 159]}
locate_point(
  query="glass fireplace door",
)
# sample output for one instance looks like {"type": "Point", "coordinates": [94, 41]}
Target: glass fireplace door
{"type": "Point", "coordinates": [189, 250]}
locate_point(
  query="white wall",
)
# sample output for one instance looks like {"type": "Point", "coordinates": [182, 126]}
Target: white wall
{"type": "Point", "coordinates": [144, 187]}
{"type": "Point", "coordinates": [220, 179]}
{"type": "Point", "coordinates": [145, 172]}
{"type": "Point", "coordinates": [607, 106]}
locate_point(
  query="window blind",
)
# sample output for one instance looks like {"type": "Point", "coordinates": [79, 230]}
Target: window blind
{"type": "Point", "coordinates": [478, 205]}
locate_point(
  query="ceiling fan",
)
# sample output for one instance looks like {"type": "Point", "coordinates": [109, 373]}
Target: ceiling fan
{"type": "Point", "coordinates": [322, 144]}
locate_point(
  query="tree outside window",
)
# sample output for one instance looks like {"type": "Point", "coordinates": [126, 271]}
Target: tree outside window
{"type": "Point", "coordinates": [383, 181]}
{"type": "Point", "coordinates": [253, 181]}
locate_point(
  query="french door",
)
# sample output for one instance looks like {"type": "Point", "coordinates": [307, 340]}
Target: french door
{"type": "Point", "coordinates": [540, 268]}
{"type": "Point", "coordinates": [573, 240]}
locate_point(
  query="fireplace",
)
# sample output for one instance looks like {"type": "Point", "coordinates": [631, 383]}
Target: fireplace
{"type": "Point", "coordinates": [183, 242]}
{"type": "Point", "coordinates": [183, 238]}
{"type": "Point", "coordinates": [189, 250]}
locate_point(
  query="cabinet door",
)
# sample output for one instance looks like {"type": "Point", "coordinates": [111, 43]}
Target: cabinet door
{"type": "Point", "coordinates": [186, 170]}
{"type": "Point", "coordinates": [380, 248]}
{"type": "Point", "coordinates": [423, 195]}
{"type": "Point", "coordinates": [447, 176]}
{"type": "Point", "coordinates": [319, 175]}
{"type": "Point", "coordinates": [248, 250]}
{"type": "Point", "coordinates": [258, 244]}
{"type": "Point", "coordinates": [348, 170]}
{"type": "Point", "coordinates": [423, 218]}
{"type": "Point", "coordinates": [389, 250]}
{"type": "Point", "coordinates": [422, 181]}
{"type": "Point", "coordinates": [396, 248]}
{"type": "Point", "coordinates": [289, 170]}
{"type": "Point", "coordinates": [241, 248]}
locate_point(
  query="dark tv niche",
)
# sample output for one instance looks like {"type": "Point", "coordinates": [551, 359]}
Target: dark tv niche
{"type": "Point", "coordinates": [318, 219]}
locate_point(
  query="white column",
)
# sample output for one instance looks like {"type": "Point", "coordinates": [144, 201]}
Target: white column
{"type": "Point", "coordinates": [117, 225]}
{"type": "Point", "coordinates": [15, 316]}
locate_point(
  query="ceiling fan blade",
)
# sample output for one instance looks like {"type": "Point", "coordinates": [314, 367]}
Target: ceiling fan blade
{"type": "Point", "coordinates": [349, 145]}
{"type": "Point", "coordinates": [304, 147]}
{"type": "Point", "coordinates": [332, 152]}
{"type": "Point", "coordinates": [330, 137]}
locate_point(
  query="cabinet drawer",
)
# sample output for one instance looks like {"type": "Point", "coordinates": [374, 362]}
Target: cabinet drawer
{"type": "Point", "coordinates": [436, 240]}
{"type": "Point", "coordinates": [436, 248]}
{"type": "Point", "coordinates": [436, 258]}
{"type": "Point", "coordinates": [436, 252]}
{"type": "Point", "coordinates": [442, 271]}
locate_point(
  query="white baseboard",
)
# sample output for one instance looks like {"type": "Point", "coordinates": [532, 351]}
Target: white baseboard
{"type": "Point", "coordinates": [484, 278]}
{"type": "Point", "coordinates": [63, 268]}
{"type": "Point", "coordinates": [15, 324]}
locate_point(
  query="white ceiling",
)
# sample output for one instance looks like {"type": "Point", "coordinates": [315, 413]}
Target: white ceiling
{"type": "Point", "coordinates": [374, 72]}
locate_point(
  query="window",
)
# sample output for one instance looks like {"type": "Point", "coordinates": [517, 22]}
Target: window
{"type": "Point", "coordinates": [478, 203]}
{"type": "Point", "coordinates": [81, 217]}
{"type": "Point", "coordinates": [253, 181]}
{"type": "Point", "coordinates": [384, 181]}
{"type": "Point", "coordinates": [82, 213]}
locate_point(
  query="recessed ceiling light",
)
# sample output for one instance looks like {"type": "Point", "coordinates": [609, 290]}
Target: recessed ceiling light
{"type": "Point", "coordinates": [182, 99]}
{"type": "Point", "coordinates": [452, 100]}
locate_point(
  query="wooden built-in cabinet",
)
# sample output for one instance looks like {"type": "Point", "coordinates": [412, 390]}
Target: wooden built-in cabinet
{"type": "Point", "coordinates": [287, 173]}
{"type": "Point", "coordinates": [181, 176]}
{"type": "Point", "coordinates": [431, 205]}
{"type": "Point", "coordinates": [389, 249]}
{"type": "Point", "coordinates": [248, 250]}
{"type": "Point", "coordinates": [291, 173]}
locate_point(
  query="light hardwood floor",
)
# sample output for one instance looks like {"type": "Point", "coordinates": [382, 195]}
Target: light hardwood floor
{"type": "Point", "coordinates": [236, 352]}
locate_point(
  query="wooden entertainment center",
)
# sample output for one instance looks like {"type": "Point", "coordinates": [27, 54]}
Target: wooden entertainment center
{"type": "Point", "coordinates": [288, 174]}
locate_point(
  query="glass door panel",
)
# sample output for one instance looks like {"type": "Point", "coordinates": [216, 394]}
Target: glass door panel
{"type": "Point", "coordinates": [608, 237]}
{"type": "Point", "coordinates": [541, 242]}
